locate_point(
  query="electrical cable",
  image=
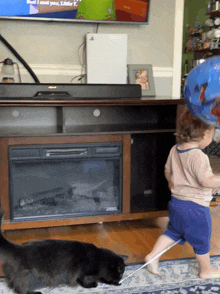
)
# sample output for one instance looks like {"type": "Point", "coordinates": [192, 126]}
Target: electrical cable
{"type": "Point", "coordinates": [35, 78]}
{"type": "Point", "coordinates": [83, 70]}
{"type": "Point", "coordinates": [19, 74]}
{"type": "Point", "coordinates": [79, 76]}
{"type": "Point", "coordinates": [97, 27]}
{"type": "Point", "coordinates": [81, 60]}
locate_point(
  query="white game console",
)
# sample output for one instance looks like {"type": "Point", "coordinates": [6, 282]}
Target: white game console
{"type": "Point", "coordinates": [106, 58]}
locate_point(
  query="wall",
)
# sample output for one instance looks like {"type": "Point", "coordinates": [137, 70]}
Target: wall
{"type": "Point", "coordinates": [51, 49]}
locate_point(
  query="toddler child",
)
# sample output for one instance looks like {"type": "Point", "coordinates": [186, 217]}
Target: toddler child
{"type": "Point", "coordinates": [191, 180]}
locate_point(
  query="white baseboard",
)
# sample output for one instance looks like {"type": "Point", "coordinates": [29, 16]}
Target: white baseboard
{"type": "Point", "coordinates": [55, 72]}
{"type": "Point", "coordinates": [51, 73]}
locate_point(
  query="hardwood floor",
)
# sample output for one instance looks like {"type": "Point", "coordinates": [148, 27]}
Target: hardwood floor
{"type": "Point", "coordinates": [132, 238]}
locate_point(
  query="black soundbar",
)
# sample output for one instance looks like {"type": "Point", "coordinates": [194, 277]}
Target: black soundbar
{"type": "Point", "coordinates": [69, 91]}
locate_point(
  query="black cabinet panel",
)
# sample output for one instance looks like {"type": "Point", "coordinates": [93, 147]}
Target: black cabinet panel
{"type": "Point", "coordinates": [149, 189]}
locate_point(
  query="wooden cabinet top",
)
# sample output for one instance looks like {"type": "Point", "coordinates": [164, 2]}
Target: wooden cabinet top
{"type": "Point", "coordinates": [119, 102]}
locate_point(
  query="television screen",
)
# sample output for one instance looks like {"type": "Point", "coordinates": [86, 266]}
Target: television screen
{"type": "Point", "coordinates": [98, 11]}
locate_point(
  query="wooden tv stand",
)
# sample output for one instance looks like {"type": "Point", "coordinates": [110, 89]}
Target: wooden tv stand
{"type": "Point", "coordinates": [150, 120]}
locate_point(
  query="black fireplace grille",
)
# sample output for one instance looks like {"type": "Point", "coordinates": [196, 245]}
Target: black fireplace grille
{"type": "Point", "coordinates": [64, 181]}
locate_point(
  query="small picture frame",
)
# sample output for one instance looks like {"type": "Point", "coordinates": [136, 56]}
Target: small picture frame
{"type": "Point", "coordinates": [142, 74]}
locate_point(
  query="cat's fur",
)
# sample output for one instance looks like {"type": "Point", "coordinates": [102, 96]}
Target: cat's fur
{"type": "Point", "coordinates": [82, 263]}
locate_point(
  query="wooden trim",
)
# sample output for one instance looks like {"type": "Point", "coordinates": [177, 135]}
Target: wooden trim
{"type": "Point", "coordinates": [6, 226]}
{"type": "Point", "coordinates": [64, 139]}
{"type": "Point", "coordinates": [75, 103]}
{"type": "Point", "coordinates": [4, 174]}
{"type": "Point", "coordinates": [81, 134]}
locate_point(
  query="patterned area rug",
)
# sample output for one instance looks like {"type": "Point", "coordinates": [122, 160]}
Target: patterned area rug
{"type": "Point", "coordinates": [177, 277]}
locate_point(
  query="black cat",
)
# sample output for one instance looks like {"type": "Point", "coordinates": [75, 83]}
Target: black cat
{"type": "Point", "coordinates": [82, 263]}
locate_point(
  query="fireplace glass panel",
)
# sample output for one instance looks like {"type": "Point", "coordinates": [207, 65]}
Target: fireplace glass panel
{"type": "Point", "coordinates": [63, 181]}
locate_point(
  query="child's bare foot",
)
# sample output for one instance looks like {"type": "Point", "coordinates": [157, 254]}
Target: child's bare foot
{"type": "Point", "coordinates": [153, 266]}
{"type": "Point", "coordinates": [212, 273]}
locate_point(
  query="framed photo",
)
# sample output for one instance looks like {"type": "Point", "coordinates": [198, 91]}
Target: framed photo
{"type": "Point", "coordinates": [142, 74]}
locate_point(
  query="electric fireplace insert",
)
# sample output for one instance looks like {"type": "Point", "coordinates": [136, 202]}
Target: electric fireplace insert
{"type": "Point", "coordinates": [63, 181]}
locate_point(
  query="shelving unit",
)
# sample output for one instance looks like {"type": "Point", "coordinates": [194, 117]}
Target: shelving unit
{"type": "Point", "coordinates": [199, 37]}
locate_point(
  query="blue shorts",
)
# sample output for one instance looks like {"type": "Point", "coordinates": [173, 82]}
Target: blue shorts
{"type": "Point", "coordinates": [191, 222]}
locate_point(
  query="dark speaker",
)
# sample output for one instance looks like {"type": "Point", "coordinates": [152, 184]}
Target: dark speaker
{"type": "Point", "coordinates": [69, 91]}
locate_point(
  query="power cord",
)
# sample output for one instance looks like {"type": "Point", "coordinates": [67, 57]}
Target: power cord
{"type": "Point", "coordinates": [20, 59]}
{"type": "Point", "coordinates": [82, 59]}
{"type": "Point", "coordinates": [19, 74]}
{"type": "Point", "coordinates": [83, 44]}
{"type": "Point", "coordinates": [97, 27]}
{"type": "Point", "coordinates": [80, 77]}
